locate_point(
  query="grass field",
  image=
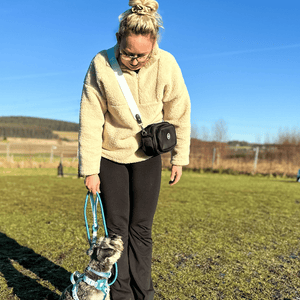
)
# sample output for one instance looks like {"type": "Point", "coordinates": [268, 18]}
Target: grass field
{"type": "Point", "coordinates": [215, 236]}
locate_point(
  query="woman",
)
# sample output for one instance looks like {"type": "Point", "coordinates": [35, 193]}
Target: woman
{"type": "Point", "coordinates": [110, 139]}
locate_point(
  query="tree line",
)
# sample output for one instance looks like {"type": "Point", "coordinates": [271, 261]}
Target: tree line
{"type": "Point", "coordinates": [29, 127]}
{"type": "Point", "coordinates": [26, 131]}
{"type": "Point", "coordinates": [39, 122]}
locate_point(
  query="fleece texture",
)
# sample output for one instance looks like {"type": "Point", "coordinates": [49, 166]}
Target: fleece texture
{"type": "Point", "coordinates": [107, 127]}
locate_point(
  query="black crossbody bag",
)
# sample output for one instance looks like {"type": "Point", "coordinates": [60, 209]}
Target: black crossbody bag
{"type": "Point", "coordinates": [157, 138]}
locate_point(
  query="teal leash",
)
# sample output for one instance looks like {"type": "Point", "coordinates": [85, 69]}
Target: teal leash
{"type": "Point", "coordinates": [95, 226]}
{"type": "Point", "coordinates": [101, 284]}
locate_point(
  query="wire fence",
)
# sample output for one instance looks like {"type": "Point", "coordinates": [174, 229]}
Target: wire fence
{"type": "Point", "coordinates": [38, 155]}
{"type": "Point", "coordinates": [264, 159]}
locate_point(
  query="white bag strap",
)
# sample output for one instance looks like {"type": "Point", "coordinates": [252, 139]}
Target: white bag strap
{"type": "Point", "coordinates": [123, 85]}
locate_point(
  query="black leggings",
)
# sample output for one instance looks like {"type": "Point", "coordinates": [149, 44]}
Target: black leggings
{"type": "Point", "coordinates": [129, 193]}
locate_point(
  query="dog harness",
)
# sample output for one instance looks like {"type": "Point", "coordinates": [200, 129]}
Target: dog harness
{"type": "Point", "coordinates": [101, 284]}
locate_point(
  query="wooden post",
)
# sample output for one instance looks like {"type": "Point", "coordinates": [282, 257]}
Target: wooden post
{"type": "Point", "coordinates": [7, 152]}
{"type": "Point", "coordinates": [51, 154]}
{"type": "Point", "coordinates": [255, 159]}
{"type": "Point", "coordinates": [214, 157]}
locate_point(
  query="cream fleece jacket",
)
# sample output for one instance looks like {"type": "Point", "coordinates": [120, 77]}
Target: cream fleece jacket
{"type": "Point", "coordinates": [107, 127]}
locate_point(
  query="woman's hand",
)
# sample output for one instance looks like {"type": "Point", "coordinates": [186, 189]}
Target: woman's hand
{"type": "Point", "coordinates": [92, 183]}
{"type": "Point", "coordinates": [176, 173]}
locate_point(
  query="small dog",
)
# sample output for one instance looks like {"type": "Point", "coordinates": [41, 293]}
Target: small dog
{"type": "Point", "coordinates": [104, 255]}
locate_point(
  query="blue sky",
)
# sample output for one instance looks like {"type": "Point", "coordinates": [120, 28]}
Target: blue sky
{"type": "Point", "coordinates": [240, 59]}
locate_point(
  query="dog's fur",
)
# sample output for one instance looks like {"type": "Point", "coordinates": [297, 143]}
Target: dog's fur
{"type": "Point", "coordinates": [105, 253]}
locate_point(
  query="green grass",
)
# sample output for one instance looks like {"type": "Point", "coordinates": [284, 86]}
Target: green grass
{"type": "Point", "coordinates": [215, 236]}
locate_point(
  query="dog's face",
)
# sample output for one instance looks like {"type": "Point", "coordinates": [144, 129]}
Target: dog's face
{"type": "Point", "coordinates": [108, 250]}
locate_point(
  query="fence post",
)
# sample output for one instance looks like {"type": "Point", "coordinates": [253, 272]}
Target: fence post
{"type": "Point", "coordinates": [51, 154]}
{"type": "Point", "coordinates": [214, 157]}
{"type": "Point", "coordinates": [7, 152]}
{"type": "Point", "coordinates": [255, 159]}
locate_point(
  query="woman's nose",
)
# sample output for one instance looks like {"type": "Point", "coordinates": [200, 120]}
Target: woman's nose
{"type": "Point", "coordinates": [134, 61]}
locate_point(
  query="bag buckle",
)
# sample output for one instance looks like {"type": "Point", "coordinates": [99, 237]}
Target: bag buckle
{"type": "Point", "coordinates": [139, 120]}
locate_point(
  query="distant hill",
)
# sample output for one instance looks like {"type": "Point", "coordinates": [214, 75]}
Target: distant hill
{"type": "Point", "coordinates": [29, 127]}
{"type": "Point", "coordinates": [47, 123]}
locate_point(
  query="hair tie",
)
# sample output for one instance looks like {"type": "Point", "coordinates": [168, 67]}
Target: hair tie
{"type": "Point", "coordinates": [140, 10]}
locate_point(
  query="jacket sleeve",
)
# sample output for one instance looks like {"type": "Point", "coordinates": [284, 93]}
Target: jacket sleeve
{"type": "Point", "coordinates": [176, 110]}
{"type": "Point", "coordinates": [92, 110]}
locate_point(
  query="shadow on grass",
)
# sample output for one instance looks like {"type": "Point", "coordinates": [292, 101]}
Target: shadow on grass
{"type": "Point", "coordinates": [24, 286]}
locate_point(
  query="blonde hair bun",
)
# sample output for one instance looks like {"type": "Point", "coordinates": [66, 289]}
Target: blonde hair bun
{"type": "Point", "coordinates": [142, 18]}
{"type": "Point", "coordinates": [143, 7]}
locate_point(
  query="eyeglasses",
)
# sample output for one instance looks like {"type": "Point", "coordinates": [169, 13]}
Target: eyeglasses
{"type": "Point", "coordinates": [141, 58]}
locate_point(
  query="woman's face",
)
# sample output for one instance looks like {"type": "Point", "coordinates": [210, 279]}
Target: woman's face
{"type": "Point", "coordinates": [137, 46]}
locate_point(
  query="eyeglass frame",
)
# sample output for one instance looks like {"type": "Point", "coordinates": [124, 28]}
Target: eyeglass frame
{"type": "Point", "coordinates": [131, 58]}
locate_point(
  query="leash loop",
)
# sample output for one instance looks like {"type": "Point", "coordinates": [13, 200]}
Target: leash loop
{"type": "Point", "coordinates": [94, 203]}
